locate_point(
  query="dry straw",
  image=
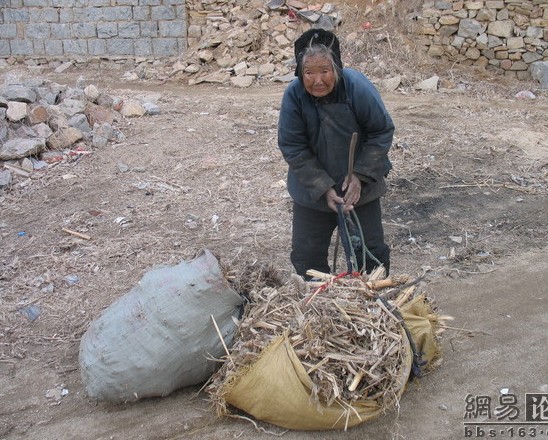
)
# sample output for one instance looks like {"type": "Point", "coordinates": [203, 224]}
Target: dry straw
{"type": "Point", "coordinates": [351, 344]}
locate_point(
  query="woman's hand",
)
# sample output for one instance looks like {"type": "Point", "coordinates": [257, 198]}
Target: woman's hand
{"type": "Point", "coordinates": [353, 188]}
{"type": "Point", "coordinates": [333, 199]}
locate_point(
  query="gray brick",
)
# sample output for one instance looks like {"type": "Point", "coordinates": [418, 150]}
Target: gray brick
{"type": "Point", "coordinates": [141, 13]}
{"type": "Point", "coordinates": [107, 30]}
{"type": "Point", "coordinates": [44, 15]}
{"type": "Point", "coordinates": [16, 15]}
{"type": "Point", "coordinates": [150, 2]}
{"type": "Point", "coordinates": [5, 50]}
{"type": "Point", "coordinates": [164, 47]}
{"type": "Point", "coordinates": [97, 47]}
{"type": "Point", "coordinates": [75, 47]}
{"type": "Point", "coordinates": [183, 45]}
{"type": "Point", "coordinates": [127, 2]}
{"type": "Point", "coordinates": [62, 4]}
{"type": "Point", "coordinates": [66, 15]}
{"type": "Point", "coordinates": [39, 47]}
{"type": "Point", "coordinates": [84, 30]}
{"type": "Point", "coordinates": [163, 13]}
{"type": "Point", "coordinates": [8, 31]}
{"type": "Point", "coordinates": [99, 2]}
{"type": "Point", "coordinates": [118, 46]}
{"type": "Point", "coordinates": [149, 29]}
{"type": "Point", "coordinates": [84, 15]}
{"type": "Point", "coordinates": [181, 12]}
{"type": "Point", "coordinates": [116, 13]}
{"type": "Point", "coordinates": [60, 31]}
{"type": "Point", "coordinates": [174, 2]}
{"type": "Point", "coordinates": [172, 28]}
{"type": "Point", "coordinates": [21, 47]}
{"type": "Point", "coordinates": [80, 3]}
{"type": "Point", "coordinates": [37, 31]}
{"type": "Point", "coordinates": [54, 47]}
{"type": "Point", "coordinates": [143, 47]}
{"type": "Point", "coordinates": [36, 3]}
{"type": "Point", "coordinates": [128, 30]}
{"type": "Point", "coordinates": [16, 4]}
{"type": "Point", "coordinates": [3, 3]}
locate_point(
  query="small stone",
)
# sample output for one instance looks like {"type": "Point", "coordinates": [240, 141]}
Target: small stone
{"type": "Point", "coordinates": [5, 178]}
{"type": "Point", "coordinates": [525, 94]}
{"type": "Point", "coordinates": [19, 148]}
{"type": "Point", "coordinates": [26, 164]}
{"type": "Point", "coordinates": [242, 81]}
{"type": "Point", "coordinates": [151, 108]}
{"type": "Point", "coordinates": [132, 109]}
{"type": "Point", "coordinates": [63, 67]}
{"type": "Point", "coordinates": [123, 168]}
{"type": "Point", "coordinates": [16, 111]}
{"type": "Point", "coordinates": [429, 84]}
{"type": "Point", "coordinates": [92, 93]}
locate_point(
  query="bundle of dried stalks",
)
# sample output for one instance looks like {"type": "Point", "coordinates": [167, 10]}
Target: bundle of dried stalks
{"type": "Point", "coordinates": [349, 342]}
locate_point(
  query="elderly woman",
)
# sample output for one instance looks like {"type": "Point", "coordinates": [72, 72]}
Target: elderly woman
{"type": "Point", "coordinates": [320, 111]}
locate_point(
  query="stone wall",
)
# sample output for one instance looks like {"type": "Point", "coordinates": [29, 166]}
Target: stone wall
{"type": "Point", "coordinates": [505, 36]}
{"type": "Point", "coordinates": [92, 28]}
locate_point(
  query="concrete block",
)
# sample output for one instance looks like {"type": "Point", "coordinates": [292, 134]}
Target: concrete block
{"type": "Point", "coordinates": [172, 28]}
{"type": "Point", "coordinates": [53, 47]}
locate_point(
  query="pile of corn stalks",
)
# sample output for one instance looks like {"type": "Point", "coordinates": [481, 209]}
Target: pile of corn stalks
{"type": "Point", "coordinates": [350, 343]}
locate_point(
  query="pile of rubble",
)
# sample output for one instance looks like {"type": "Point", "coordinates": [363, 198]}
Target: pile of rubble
{"type": "Point", "coordinates": [243, 41]}
{"type": "Point", "coordinates": [43, 123]}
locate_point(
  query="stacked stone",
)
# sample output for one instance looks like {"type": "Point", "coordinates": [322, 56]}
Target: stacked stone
{"type": "Point", "coordinates": [92, 28]}
{"type": "Point", "coordinates": [242, 40]}
{"type": "Point", "coordinates": [42, 122]}
{"type": "Point", "coordinates": [504, 36]}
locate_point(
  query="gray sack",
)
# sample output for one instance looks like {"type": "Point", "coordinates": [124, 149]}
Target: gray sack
{"type": "Point", "coordinates": [160, 336]}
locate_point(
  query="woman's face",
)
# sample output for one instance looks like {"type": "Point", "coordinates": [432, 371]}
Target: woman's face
{"type": "Point", "coordinates": [318, 75]}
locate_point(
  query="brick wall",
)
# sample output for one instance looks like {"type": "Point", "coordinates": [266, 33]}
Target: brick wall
{"type": "Point", "coordinates": [92, 28]}
{"type": "Point", "coordinates": [505, 36]}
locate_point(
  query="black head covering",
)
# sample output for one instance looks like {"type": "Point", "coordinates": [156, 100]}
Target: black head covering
{"type": "Point", "coordinates": [315, 37]}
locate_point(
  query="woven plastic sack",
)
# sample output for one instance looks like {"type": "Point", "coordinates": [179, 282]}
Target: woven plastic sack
{"type": "Point", "coordinates": [277, 390]}
{"type": "Point", "coordinates": [160, 336]}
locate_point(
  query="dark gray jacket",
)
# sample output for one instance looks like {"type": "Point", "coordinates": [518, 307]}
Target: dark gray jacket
{"type": "Point", "coordinates": [314, 137]}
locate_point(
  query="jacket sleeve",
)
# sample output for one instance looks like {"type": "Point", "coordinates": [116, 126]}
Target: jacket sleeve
{"type": "Point", "coordinates": [296, 146]}
{"type": "Point", "coordinates": [377, 129]}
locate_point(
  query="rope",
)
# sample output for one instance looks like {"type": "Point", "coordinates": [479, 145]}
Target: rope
{"type": "Point", "coordinates": [349, 242]}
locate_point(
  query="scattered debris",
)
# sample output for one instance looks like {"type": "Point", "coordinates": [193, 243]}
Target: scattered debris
{"type": "Point", "coordinates": [31, 312]}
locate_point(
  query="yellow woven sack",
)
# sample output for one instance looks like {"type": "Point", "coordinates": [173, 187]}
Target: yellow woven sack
{"type": "Point", "coordinates": [276, 388]}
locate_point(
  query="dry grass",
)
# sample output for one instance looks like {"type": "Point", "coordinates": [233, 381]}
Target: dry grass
{"type": "Point", "coordinates": [350, 343]}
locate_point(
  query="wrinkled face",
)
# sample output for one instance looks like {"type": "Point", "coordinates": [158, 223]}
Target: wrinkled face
{"type": "Point", "coordinates": [318, 75]}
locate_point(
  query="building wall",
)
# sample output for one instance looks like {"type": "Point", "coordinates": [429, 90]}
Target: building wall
{"type": "Point", "coordinates": [92, 28]}
{"type": "Point", "coordinates": [505, 36]}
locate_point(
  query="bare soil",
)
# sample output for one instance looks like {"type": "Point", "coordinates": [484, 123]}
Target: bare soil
{"type": "Point", "coordinates": [466, 207]}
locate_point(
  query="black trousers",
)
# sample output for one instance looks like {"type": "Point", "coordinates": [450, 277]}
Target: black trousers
{"type": "Point", "coordinates": [312, 232]}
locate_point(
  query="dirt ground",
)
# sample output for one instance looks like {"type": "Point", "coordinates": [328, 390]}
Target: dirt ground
{"type": "Point", "coordinates": [466, 207]}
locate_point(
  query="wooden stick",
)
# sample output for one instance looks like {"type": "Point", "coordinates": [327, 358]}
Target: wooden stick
{"type": "Point", "coordinates": [17, 169]}
{"type": "Point", "coordinates": [320, 275]}
{"type": "Point", "coordinates": [357, 379]}
{"type": "Point", "coordinates": [222, 341]}
{"type": "Point", "coordinates": [381, 284]}
{"type": "Point", "coordinates": [318, 365]}
{"type": "Point", "coordinates": [351, 154]}
{"type": "Point", "coordinates": [76, 234]}
{"type": "Point", "coordinates": [400, 300]}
